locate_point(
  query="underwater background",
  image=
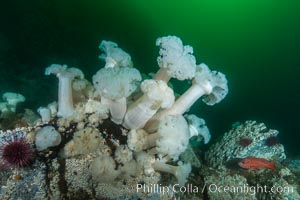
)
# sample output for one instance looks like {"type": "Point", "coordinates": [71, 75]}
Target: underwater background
{"type": "Point", "coordinates": [255, 43]}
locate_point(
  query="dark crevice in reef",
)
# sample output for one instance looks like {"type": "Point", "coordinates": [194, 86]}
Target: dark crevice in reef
{"type": "Point", "coordinates": [112, 133]}
{"type": "Point", "coordinates": [47, 180]}
{"type": "Point", "coordinates": [62, 183]}
{"type": "Point", "coordinates": [205, 191]}
{"type": "Point", "coordinates": [94, 194]}
{"type": "Point", "coordinates": [79, 195]}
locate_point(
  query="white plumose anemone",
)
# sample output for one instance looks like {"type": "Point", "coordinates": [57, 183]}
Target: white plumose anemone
{"type": "Point", "coordinates": [175, 60]}
{"type": "Point", "coordinates": [198, 127]}
{"type": "Point", "coordinates": [114, 86]}
{"type": "Point", "coordinates": [65, 77]}
{"type": "Point", "coordinates": [113, 55]}
{"type": "Point", "coordinates": [156, 95]}
{"type": "Point", "coordinates": [212, 85]}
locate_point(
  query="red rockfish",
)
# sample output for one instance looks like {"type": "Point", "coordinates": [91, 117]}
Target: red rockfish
{"type": "Point", "coordinates": [253, 163]}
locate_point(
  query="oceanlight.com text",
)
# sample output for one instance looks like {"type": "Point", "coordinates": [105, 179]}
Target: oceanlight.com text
{"type": "Point", "coordinates": [245, 188]}
{"type": "Point", "coordinates": [213, 188]}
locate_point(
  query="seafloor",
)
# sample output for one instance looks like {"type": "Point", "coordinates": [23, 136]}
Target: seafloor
{"type": "Point", "coordinates": [50, 176]}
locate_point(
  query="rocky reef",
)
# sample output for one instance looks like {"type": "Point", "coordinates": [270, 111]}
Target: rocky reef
{"type": "Point", "coordinates": [247, 139]}
{"type": "Point", "coordinates": [250, 140]}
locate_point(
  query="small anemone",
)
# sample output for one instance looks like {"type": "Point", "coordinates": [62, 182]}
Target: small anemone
{"type": "Point", "coordinates": [272, 141]}
{"type": "Point", "coordinates": [245, 141]}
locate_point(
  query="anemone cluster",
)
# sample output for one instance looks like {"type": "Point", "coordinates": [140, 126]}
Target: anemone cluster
{"type": "Point", "coordinates": [124, 125]}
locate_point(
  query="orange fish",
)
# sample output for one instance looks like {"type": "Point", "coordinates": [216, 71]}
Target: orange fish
{"type": "Point", "coordinates": [253, 163]}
